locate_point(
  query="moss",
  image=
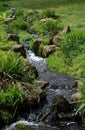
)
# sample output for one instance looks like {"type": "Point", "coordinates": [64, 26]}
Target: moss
{"type": "Point", "coordinates": [21, 126]}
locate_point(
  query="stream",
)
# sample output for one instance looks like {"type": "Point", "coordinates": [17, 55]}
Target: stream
{"type": "Point", "coordinates": [58, 84]}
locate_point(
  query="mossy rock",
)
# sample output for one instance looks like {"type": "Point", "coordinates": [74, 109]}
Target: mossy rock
{"type": "Point", "coordinates": [21, 126]}
{"type": "Point", "coordinates": [60, 104]}
{"type": "Point", "coordinates": [47, 50]}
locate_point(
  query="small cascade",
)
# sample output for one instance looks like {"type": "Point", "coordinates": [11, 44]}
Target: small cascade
{"type": "Point", "coordinates": [58, 84]}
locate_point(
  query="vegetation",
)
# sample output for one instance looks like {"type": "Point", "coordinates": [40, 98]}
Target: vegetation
{"type": "Point", "coordinates": [42, 24]}
{"type": "Point", "coordinates": [69, 58]}
{"type": "Point", "coordinates": [81, 101]}
{"type": "Point", "coordinates": [11, 99]}
{"type": "Point", "coordinates": [12, 65]}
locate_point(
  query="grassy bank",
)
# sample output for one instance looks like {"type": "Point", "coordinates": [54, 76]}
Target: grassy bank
{"type": "Point", "coordinates": [69, 55]}
{"type": "Point", "coordinates": [72, 12]}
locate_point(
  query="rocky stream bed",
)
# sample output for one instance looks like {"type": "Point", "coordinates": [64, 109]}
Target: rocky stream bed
{"type": "Point", "coordinates": [56, 112]}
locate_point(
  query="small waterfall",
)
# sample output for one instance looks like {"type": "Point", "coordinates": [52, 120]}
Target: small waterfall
{"type": "Point", "coordinates": [58, 84]}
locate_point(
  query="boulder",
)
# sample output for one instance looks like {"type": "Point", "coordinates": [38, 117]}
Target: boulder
{"type": "Point", "coordinates": [65, 30]}
{"type": "Point", "coordinates": [61, 105]}
{"type": "Point", "coordinates": [21, 126]}
{"type": "Point", "coordinates": [8, 20]}
{"type": "Point", "coordinates": [35, 94]}
{"type": "Point", "coordinates": [34, 12]}
{"type": "Point", "coordinates": [60, 110]}
{"type": "Point", "coordinates": [56, 40]}
{"type": "Point", "coordinates": [41, 83]}
{"type": "Point", "coordinates": [36, 44]}
{"type": "Point", "coordinates": [75, 97]}
{"type": "Point", "coordinates": [47, 50]}
{"type": "Point", "coordinates": [20, 49]}
{"type": "Point", "coordinates": [13, 37]}
{"type": "Point", "coordinates": [33, 69]}
{"type": "Point", "coordinates": [45, 20]}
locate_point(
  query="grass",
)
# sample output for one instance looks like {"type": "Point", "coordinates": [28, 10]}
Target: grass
{"type": "Point", "coordinates": [69, 58]}
{"type": "Point", "coordinates": [12, 65]}
{"type": "Point", "coordinates": [72, 11]}
{"type": "Point", "coordinates": [81, 101]}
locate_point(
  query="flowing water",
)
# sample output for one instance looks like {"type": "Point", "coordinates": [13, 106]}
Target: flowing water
{"type": "Point", "coordinates": [58, 84]}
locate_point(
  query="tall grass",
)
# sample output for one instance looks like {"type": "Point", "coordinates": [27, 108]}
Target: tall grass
{"type": "Point", "coordinates": [10, 63]}
{"type": "Point", "coordinates": [81, 101]}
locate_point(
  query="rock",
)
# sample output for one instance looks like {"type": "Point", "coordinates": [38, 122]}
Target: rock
{"type": "Point", "coordinates": [56, 40]}
{"type": "Point", "coordinates": [19, 48]}
{"type": "Point", "coordinates": [65, 30]}
{"type": "Point", "coordinates": [37, 40]}
{"type": "Point", "coordinates": [26, 44]}
{"type": "Point", "coordinates": [76, 84]}
{"type": "Point", "coordinates": [36, 44]}
{"type": "Point", "coordinates": [61, 105]}
{"type": "Point", "coordinates": [47, 50]}
{"type": "Point", "coordinates": [45, 20]}
{"type": "Point", "coordinates": [60, 110]}
{"type": "Point", "coordinates": [12, 13]}
{"type": "Point", "coordinates": [75, 97]}
{"type": "Point", "coordinates": [1, 74]}
{"type": "Point", "coordinates": [41, 83]}
{"type": "Point", "coordinates": [8, 20]}
{"type": "Point", "coordinates": [13, 37]}
{"type": "Point", "coordinates": [21, 126]}
{"type": "Point", "coordinates": [35, 94]}
{"type": "Point", "coordinates": [31, 11]}
{"type": "Point", "coordinates": [33, 69]}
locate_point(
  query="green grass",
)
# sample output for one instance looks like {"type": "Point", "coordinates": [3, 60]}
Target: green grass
{"type": "Point", "coordinates": [71, 11]}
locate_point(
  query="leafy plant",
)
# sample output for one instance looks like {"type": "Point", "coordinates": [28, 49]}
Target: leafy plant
{"type": "Point", "coordinates": [71, 45]}
{"type": "Point", "coordinates": [49, 13]}
{"type": "Point", "coordinates": [79, 66]}
{"type": "Point", "coordinates": [10, 63]}
{"type": "Point", "coordinates": [11, 99]}
{"type": "Point", "coordinates": [81, 101]}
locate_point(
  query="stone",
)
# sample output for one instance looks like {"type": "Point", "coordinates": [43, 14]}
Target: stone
{"type": "Point", "coordinates": [56, 41]}
{"type": "Point", "coordinates": [19, 49]}
{"type": "Point", "coordinates": [13, 37]}
{"type": "Point", "coordinates": [60, 104]}
{"type": "Point", "coordinates": [33, 69]}
{"type": "Point", "coordinates": [31, 11]}
{"type": "Point", "coordinates": [45, 20]}
{"type": "Point", "coordinates": [35, 94]}
{"type": "Point", "coordinates": [41, 83]}
{"type": "Point", "coordinates": [65, 30]}
{"type": "Point", "coordinates": [8, 20]}
{"type": "Point", "coordinates": [36, 44]}
{"type": "Point", "coordinates": [47, 50]}
{"type": "Point", "coordinates": [60, 110]}
{"type": "Point", "coordinates": [20, 126]}
{"type": "Point", "coordinates": [75, 97]}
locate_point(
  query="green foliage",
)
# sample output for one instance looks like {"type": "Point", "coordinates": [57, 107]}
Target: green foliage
{"type": "Point", "coordinates": [10, 63]}
{"type": "Point", "coordinates": [37, 27]}
{"type": "Point", "coordinates": [81, 101]}
{"type": "Point", "coordinates": [20, 24]}
{"type": "Point", "coordinates": [25, 36]}
{"type": "Point", "coordinates": [21, 126]}
{"type": "Point", "coordinates": [51, 26]}
{"type": "Point", "coordinates": [11, 99]}
{"type": "Point", "coordinates": [49, 13]}
{"type": "Point", "coordinates": [3, 16]}
{"type": "Point", "coordinates": [72, 45]}
{"type": "Point", "coordinates": [56, 62]}
{"type": "Point", "coordinates": [79, 66]}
